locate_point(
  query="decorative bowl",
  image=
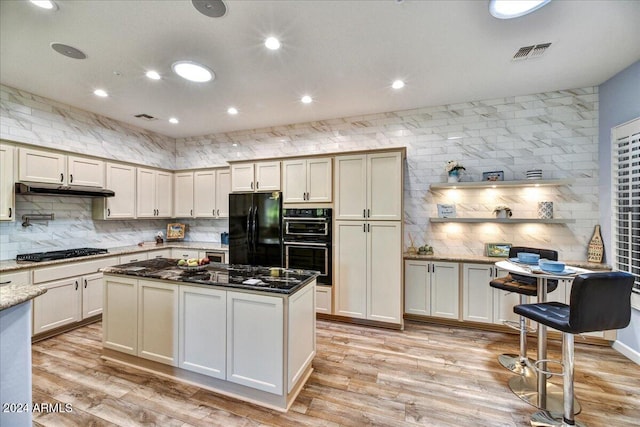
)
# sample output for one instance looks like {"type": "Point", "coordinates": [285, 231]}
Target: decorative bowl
{"type": "Point", "coordinates": [528, 257]}
{"type": "Point", "coordinates": [551, 266]}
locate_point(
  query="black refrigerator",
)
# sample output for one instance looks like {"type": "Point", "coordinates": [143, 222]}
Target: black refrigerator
{"type": "Point", "coordinates": [255, 229]}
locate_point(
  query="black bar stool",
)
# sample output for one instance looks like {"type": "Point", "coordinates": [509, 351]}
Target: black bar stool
{"type": "Point", "coordinates": [599, 302]}
{"type": "Point", "coordinates": [525, 286]}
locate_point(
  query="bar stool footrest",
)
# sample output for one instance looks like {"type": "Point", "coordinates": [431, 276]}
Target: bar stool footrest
{"type": "Point", "coordinates": [547, 419]}
{"type": "Point", "coordinates": [534, 365]}
{"type": "Point", "coordinates": [516, 325]}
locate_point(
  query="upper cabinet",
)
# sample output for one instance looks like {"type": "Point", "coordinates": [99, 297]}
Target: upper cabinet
{"type": "Point", "coordinates": [120, 178]}
{"type": "Point", "coordinates": [183, 194]}
{"type": "Point", "coordinates": [154, 193]}
{"type": "Point", "coordinates": [369, 186]}
{"type": "Point", "coordinates": [259, 176]}
{"type": "Point", "coordinates": [211, 193]}
{"type": "Point", "coordinates": [307, 180]}
{"type": "Point", "coordinates": [7, 199]}
{"type": "Point", "coordinates": [57, 168]}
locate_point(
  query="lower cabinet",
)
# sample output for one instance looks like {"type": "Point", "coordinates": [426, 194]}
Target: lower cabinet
{"type": "Point", "coordinates": [323, 299]}
{"type": "Point", "coordinates": [120, 318]}
{"type": "Point", "coordinates": [432, 288]}
{"type": "Point", "coordinates": [92, 289]}
{"type": "Point", "coordinates": [482, 303]}
{"type": "Point", "coordinates": [203, 331]}
{"type": "Point", "coordinates": [158, 322]}
{"type": "Point", "coordinates": [255, 339]}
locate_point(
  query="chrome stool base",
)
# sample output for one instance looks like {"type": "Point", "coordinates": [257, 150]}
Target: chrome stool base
{"type": "Point", "coordinates": [512, 362]}
{"type": "Point", "coordinates": [546, 419]}
{"type": "Point", "coordinates": [525, 388]}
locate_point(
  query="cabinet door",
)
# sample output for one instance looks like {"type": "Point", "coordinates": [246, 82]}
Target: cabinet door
{"type": "Point", "coordinates": [255, 341]}
{"type": "Point", "coordinates": [92, 295]}
{"type": "Point", "coordinates": [164, 194]}
{"type": "Point", "coordinates": [184, 253]}
{"type": "Point", "coordinates": [319, 176]}
{"type": "Point", "coordinates": [120, 316]}
{"type": "Point", "coordinates": [477, 295]}
{"type": "Point", "coordinates": [59, 306]}
{"type": "Point", "coordinates": [417, 292]}
{"type": "Point", "coordinates": [85, 171]}
{"type": "Point", "coordinates": [445, 290]}
{"type": "Point", "coordinates": [223, 188]}
{"type": "Point", "coordinates": [183, 194]}
{"type": "Point", "coordinates": [145, 193]}
{"type": "Point", "coordinates": [204, 194]}
{"type": "Point", "coordinates": [503, 302]}
{"type": "Point", "coordinates": [301, 334]}
{"type": "Point", "coordinates": [122, 180]}
{"type": "Point", "coordinates": [351, 187]}
{"type": "Point", "coordinates": [41, 166]}
{"type": "Point", "coordinates": [294, 181]}
{"type": "Point", "coordinates": [242, 177]}
{"type": "Point", "coordinates": [384, 248]}
{"type": "Point", "coordinates": [384, 186]}
{"type": "Point", "coordinates": [323, 299]}
{"type": "Point", "coordinates": [350, 269]}
{"type": "Point", "coordinates": [203, 332]}
{"type": "Point", "coordinates": [267, 176]}
{"type": "Point", "coordinates": [158, 322]}
{"type": "Point", "coordinates": [7, 200]}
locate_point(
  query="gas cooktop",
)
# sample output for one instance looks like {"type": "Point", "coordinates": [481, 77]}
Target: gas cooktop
{"type": "Point", "coordinates": [62, 254]}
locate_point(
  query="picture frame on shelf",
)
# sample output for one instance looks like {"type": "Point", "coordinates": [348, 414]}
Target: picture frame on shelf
{"type": "Point", "coordinates": [175, 231]}
{"type": "Point", "coordinates": [497, 250]}
{"type": "Point", "coordinates": [446, 211]}
{"type": "Point", "coordinates": [493, 176]}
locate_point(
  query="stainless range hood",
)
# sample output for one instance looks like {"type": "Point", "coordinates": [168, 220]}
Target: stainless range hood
{"type": "Point", "coordinates": [38, 188]}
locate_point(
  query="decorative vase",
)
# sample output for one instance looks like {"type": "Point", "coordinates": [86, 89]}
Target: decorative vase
{"type": "Point", "coordinates": [501, 214]}
{"type": "Point", "coordinates": [453, 176]}
{"type": "Point", "coordinates": [545, 210]}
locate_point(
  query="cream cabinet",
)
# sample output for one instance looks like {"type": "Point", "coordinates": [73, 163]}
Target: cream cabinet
{"type": "Point", "coordinates": [255, 341]}
{"type": "Point", "coordinates": [59, 306]}
{"type": "Point", "coordinates": [120, 318]}
{"type": "Point", "coordinates": [154, 193]}
{"type": "Point", "coordinates": [183, 194]}
{"type": "Point", "coordinates": [482, 303]}
{"type": "Point", "coordinates": [431, 288]}
{"type": "Point", "coordinates": [307, 180]}
{"type": "Point", "coordinates": [92, 290]}
{"type": "Point", "coordinates": [203, 331]}
{"type": "Point", "coordinates": [368, 264]}
{"type": "Point", "coordinates": [158, 321]}
{"type": "Point", "coordinates": [185, 253]}
{"type": "Point", "coordinates": [7, 198]}
{"type": "Point", "coordinates": [211, 193]}
{"type": "Point", "coordinates": [58, 168]}
{"type": "Point", "coordinates": [259, 176]}
{"type": "Point", "coordinates": [369, 186]}
{"type": "Point", "coordinates": [323, 299]}
{"type": "Point", "coordinates": [120, 178]}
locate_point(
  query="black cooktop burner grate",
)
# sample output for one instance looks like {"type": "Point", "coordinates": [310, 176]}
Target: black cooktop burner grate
{"type": "Point", "coordinates": [63, 254]}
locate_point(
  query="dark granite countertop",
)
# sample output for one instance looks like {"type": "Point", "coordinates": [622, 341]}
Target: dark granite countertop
{"type": "Point", "coordinates": [263, 279]}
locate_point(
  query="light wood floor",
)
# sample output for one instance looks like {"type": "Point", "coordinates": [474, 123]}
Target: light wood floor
{"type": "Point", "coordinates": [427, 375]}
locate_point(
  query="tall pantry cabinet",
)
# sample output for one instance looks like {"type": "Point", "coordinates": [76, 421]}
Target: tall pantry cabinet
{"type": "Point", "coordinates": [368, 236]}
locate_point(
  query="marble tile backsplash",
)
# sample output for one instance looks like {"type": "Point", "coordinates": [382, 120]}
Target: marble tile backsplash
{"type": "Point", "coordinates": [554, 131]}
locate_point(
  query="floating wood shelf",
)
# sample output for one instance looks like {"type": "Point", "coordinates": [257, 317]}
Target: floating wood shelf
{"type": "Point", "coordinates": [505, 221]}
{"type": "Point", "coordinates": [502, 184]}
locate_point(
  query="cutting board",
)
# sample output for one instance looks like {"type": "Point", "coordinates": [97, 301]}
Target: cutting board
{"type": "Point", "coordinates": [595, 253]}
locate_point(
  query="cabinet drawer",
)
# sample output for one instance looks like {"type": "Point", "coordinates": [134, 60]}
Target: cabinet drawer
{"type": "Point", "coordinates": [184, 253]}
{"type": "Point", "coordinates": [47, 274]}
{"type": "Point", "coordinates": [16, 278]}
{"type": "Point", "coordinates": [140, 256]}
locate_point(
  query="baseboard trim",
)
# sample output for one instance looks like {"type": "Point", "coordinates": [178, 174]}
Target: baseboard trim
{"type": "Point", "coordinates": [627, 351]}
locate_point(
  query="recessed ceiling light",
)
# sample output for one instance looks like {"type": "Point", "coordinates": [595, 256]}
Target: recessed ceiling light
{"type": "Point", "coordinates": [306, 99]}
{"type": "Point", "coordinates": [210, 8]}
{"type": "Point", "coordinates": [507, 9]}
{"type": "Point", "coordinates": [397, 84]}
{"type": "Point", "coordinates": [45, 4]}
{"type": "Point", "coordinates": [101, 93]}
{"type": "Point", "coordinates": [153, 75]}
{"type": "Point", "coordinates": [68, 51]}
{"type": "Point", "coordinates": [232, 110]}
{"type": "Point", "coordinates": [174, 120]}
{"type": "Point", "coordinates": [192, 71]}
{"type": "Point", "coordinates": [272, 43]}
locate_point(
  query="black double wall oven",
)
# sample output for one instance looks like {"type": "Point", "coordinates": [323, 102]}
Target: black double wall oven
{"type": "Point", "coordinates": [307, 241]}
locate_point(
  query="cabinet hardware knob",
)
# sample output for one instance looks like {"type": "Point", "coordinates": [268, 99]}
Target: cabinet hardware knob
{"type": "Point", "coordinates": [76, 285]}
{"type": "Point", "coordinates": [364, 228]}
{"type": "Point", "coordinates": [71, 177]}
{"type": "Point", "coordinates": [368, 213]}
{"type": "Point", "coordinates": [257, 184]}
{"type": "Point", "coordinates": [61, 177]}
{"type": "Point", "coordinates": [108, 212]}
{"type": "Point", "coordinates": [218, 212]}
{"type": "Point", "coordinates": [191, 212]}
{"type": "Point", "coordinates": [369, 228]}
{"type": "Point", "coordinates": [364, 213]}
{"type": "Point", "coordinates": [252, 185]}
{"type": "Point", "coordinates": [10, 213]}
{"type": "Point", "coordinates": [5, 283]}
{"type": "Point", "coordinates": [85, 283]}
{"type": "Point", "coordinates": [213, 212]}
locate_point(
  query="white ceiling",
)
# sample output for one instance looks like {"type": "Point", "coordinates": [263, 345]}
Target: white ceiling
{"type": "Point", "coordinates": [343, 53]}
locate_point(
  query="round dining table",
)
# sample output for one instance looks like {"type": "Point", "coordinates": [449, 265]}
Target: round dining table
{"type": "Point", "coordinates": [533, 387]}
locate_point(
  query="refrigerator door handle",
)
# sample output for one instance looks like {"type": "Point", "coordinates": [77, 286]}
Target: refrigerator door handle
{"type": "Point", "coordinates": [249, 234]}
{"type": "Point", "coordinates": [255, 227]}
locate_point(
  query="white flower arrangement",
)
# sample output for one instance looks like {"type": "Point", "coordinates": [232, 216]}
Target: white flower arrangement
{"type": "Point", "coordinates": [452, 165]}
{"type": "Point", "coordinates": [504, 208]}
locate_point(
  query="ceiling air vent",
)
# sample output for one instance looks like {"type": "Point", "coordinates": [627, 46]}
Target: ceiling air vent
{"type": "Point", "coordinates": [145, 117]}
{"type": "Point", "coordinates": [534, 51]}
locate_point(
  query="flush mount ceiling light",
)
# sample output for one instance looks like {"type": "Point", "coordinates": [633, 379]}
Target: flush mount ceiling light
{"type": "Point", "coordinates": [153, 75]}
{"type": "Point", "coordinates": [272, 43]}
{"type": "Point", "coordinates": [68, 51]}
{"type": "Point", "coordinates": [306, 99]}
{"type": "Point", "coordinates": [232, 110]}
{"type": "Point", "coordinates": [45, 4]}
{"type": "Point", "coordinates": [397, 84]}
{"type": "Point", "coordinates": [192, 71]}
{"type": "Point", "coordinates": [101, 93]}
{"type": "Point", "coordinates": [174, 121]}
{"type": "Point", "coordinates": [210, 8]}
{"type": "Point", "coordinates": [507, 9]}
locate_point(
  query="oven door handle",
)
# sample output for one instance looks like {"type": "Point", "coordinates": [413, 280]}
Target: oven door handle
{"type": "Point", "coordinates": [295, 218]}
{"type": "Point", "coordinates": [305, 244]}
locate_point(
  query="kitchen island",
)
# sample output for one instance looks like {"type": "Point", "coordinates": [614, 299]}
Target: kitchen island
{"type": "Point", "coordinates": [242, 331]}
